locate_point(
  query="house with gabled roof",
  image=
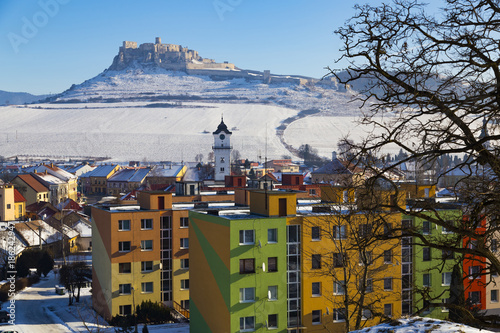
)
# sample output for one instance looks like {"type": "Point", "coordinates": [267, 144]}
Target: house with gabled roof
{"type": "Point", "coordinates": [31, 188]}
{"type": "Point", "coordinates": [39, 234]}
{"type": "Point", "coordinates": [126, 180]}
{"type": "Point", "coordinates": [19, 205]}
{"type": "Point", "coordinates": [98, 178]}
{"type": "Point", "coordinates": [337, 172]}
{"type": "Point", "coordinates": [63, 185]}
{"type": "Point", "coordinates": [166, 174]}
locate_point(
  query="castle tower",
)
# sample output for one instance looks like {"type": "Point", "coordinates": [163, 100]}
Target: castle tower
{"type": "Point", "coordinates": [222, 151]}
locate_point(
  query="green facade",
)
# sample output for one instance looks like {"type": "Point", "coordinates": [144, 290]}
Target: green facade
{"type": "Point", "coordinates": [432, 262]}
{"type": "Point", "coordinates": [262, 278]}
{"type": "Point", "coordinates": [213, 280]}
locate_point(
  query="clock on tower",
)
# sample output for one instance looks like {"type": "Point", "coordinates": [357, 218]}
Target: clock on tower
{"type": "Point", "coordinates": [222, 151]}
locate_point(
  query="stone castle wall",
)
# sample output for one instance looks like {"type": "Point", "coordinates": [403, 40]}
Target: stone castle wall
{"type": "Point", "coordinates": [178, 58]}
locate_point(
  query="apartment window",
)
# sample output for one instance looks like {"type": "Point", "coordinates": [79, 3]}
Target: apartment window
{"type": "Point", "coordinates": [388, 310]}
{"type": "Point", "coordinates": [368, 284]}
{"type": "Point", "coordinates": [184, 243]}
{"type": "Point", "coordinates": [315, 233]}
{"type": "Point", "coordinates": [8, 206]}
{"type": "Point", "coordinates": [316, 288]}
{"type": "Point", "coordinates": [123, 225]}
{"type": "Point", "coordinates": [125, 289]}
{"type": "Point", "coordinates": [446, 230]}
{"type": "Point", "coordinates": [124, 246]}
{"type": "Point", "coordinates": [365, 258]}
{"type": "Point", "coordinates": [247, 323]}
{"type": "Point", "coordinates": [426, 254]}
{"type": "Point", "coordinates": [474, 272]}
{"type": "Point", "coordinates": [338, 259]}
{"type": "Point", "coordinates": [184, 222]}
{"type": "Point", "coordinates": [494, 245]}
{"type": "Point", "coordinates": [316, 317]}
{"type": "Point", "coordinates": [316, 261]}
{"type": "Point", "coordinates": [146, 224]}
{"type": "Point", "coordinates": [494, 295]}
{"type": "Point", "coordinates": [472, 244]}
{"type": "Point", "coordinates": [247, 237]}
{"type": "Point", "coordinates": [388, 283]}
{"type": "Point", "coordinates": [147, 245]}
{"type": "Point", "coordinates": [247, 295]}
{"type": "Point", "coordinates": [185, 304]}
{"type": "Point", "coordinates": [446, 278]}
{"type": "Point", "coordinates": [387, 229]}
{"type": "Point", "coordinates": [426, 280]}
{"type": "Point", "coordinates": [124, 268]}
{"type": "Point", "coordinates": [339, 287]}
{"type": "Point", "coordinates": [388, 256]}
{"type": "Point", "coordinates": [340, 232]}
{"type": "Point", "coordinates": [272, 321]}
{"type": "Point", "coordinates": [146, 266]}
{"type": "Point", "coordinates": [339, 314]}
{"type": "Point", "coordinates": [272, 235]}
{"type": "Point", "coordinates": [426, 227]}
{"type": "Point", "coordinates": [185, 284]}
{"type": "Point", "coordinates": [475, 297]}
{"type": "Point", "coordinates": [447, 254]}
{"type": "Point", "coordinates": [185, 263]}
{"type": "Point", "coordinates": [444, 307]}
{"type": "Point", "coordinates": [272, 264]}
{"type": "Point", "coordinates": [247, 266]}
{"type": "Point", "coordinates": [365, 230]}
{"type": "Point", "coordinates": [147, 287]}
{"type": "Point", "coordinates": [366, 314]}
{"type": "Point", "coordinates": [272, 293]}
{"type": "Point", "coordinates": [125, 310]}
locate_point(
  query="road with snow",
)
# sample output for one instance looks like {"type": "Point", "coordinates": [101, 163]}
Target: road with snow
{"type": "Point", "coordinates": [32, 313]}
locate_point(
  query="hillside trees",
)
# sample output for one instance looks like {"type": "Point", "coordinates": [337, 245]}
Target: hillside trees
{"type": "Point", "coordinates": [431, 87]}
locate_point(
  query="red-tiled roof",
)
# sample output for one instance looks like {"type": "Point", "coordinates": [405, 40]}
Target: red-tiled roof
{"type": "Point", "coordinates": [33, 183]}
{"type": "Point", "coordinates": [18, 197]}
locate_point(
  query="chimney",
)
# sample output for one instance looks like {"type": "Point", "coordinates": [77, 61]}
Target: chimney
{"type": "Point", "coordinates": [334, 155]}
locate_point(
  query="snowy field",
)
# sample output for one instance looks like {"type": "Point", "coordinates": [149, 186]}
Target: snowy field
{"type": "Point", "coordinates": [130, 131]}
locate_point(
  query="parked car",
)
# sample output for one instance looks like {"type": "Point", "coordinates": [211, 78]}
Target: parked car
{"type": "Point", "coordinates": [4, 316]}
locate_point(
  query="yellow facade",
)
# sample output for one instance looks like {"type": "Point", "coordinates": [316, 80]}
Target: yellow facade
{"type": "Point", "coordinates": [136, 278]}
{"type": "Point", "coordinates": [339, 276]}
{"type": "Point", "coordinates": [7, 205]}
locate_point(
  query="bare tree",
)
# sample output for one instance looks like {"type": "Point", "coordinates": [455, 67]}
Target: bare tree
{"type": "Point", "coordinates": [430, 86]}
{"type": "Point", "coordinates": [346, 248]}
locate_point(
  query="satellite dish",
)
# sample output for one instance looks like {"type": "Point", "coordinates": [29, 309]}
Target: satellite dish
{"type": "Point", "coordinates": [269, 294]}
{"type": "Point", "coordinates": [260, 245]}
{"type": "Point", "coordinates": [327, 311]}
{"type": "Point", "coordinates": [263, 267]}
{"type": "Point", "coordinates": [267, 325]}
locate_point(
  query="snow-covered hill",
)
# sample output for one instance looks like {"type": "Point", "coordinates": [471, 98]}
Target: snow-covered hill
{"type": "Point", "coordinates": [7, 97]}
{"type": "Point", "coordinates": [153, 83]}
{"type": "Point", "coordinates": [149, 113]}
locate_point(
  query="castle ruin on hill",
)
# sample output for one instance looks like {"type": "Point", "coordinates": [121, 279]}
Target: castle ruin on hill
{"type": "Point", "coordinates": [178, 58]}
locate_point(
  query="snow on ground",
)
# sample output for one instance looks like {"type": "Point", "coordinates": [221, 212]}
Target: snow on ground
{"type": "Point", "coordinates": [421, 325]}
{"type": "Point", "coordinates": [39, 309]}
{"type": "Point", "coordinates": [128, 131]}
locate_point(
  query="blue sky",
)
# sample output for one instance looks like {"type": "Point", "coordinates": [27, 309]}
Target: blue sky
{"type": "Point", "coordinates": [47, 45]}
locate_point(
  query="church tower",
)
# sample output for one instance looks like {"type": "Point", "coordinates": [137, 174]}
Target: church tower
{"type": "Point", "coordinates": [222, 151]}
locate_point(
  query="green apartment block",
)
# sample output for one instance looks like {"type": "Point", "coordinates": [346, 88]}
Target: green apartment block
{"type": "Point", "coordinates": [238, 272]}
{"type": "Point", "coordinates": [432, 268]}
